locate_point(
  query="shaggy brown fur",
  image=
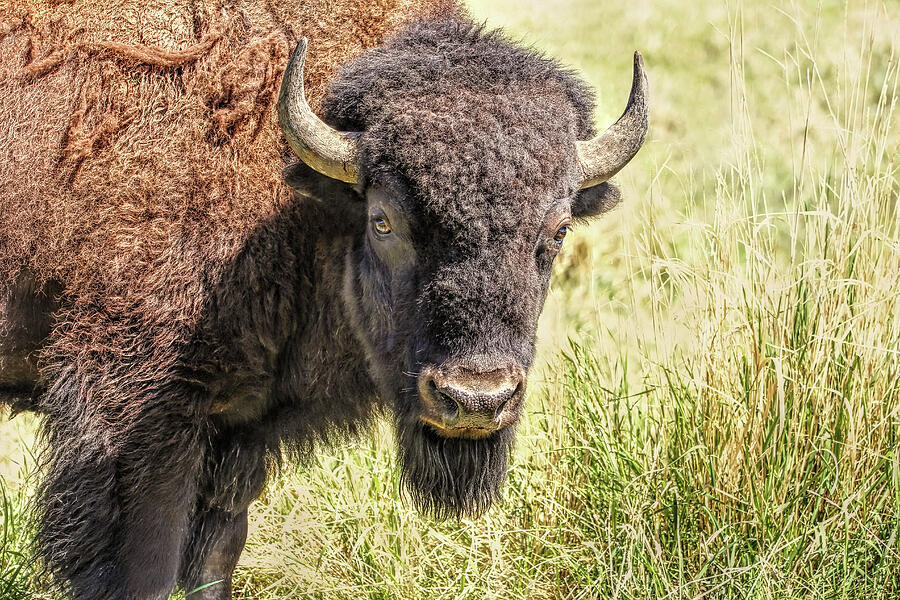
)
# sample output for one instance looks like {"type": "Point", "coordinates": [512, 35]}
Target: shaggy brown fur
{"type": "Point", "coordinates": [118, 135]}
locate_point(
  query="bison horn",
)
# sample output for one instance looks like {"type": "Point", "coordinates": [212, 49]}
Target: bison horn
{"type": "Point", "coordinates": [605, 155]}
{"type": "Point", "coordinates": [327, 150]}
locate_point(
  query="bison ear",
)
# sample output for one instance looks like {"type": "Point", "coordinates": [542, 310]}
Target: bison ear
{"type": "Point", "coordinates": [311, 184]}
{"type": "Point", "coordinates": [595, 200]}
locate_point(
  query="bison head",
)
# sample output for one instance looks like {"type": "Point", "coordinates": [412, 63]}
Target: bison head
{"type": "Point", "coordinates": [463, 154]}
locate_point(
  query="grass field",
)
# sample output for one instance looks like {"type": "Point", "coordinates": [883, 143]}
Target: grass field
{"type": "Point", "coordinates": [716, 410]}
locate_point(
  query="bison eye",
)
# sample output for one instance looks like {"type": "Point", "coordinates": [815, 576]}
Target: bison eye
{"type": "Point", "coordinates": [560, 234]}
{"type": "Point", "coordinates": [381, 226]}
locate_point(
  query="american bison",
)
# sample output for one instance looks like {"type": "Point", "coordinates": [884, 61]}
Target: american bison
{"type": "Point", "coordinates": [186, 306]}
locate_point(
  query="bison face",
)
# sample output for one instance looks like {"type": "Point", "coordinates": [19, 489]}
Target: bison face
{"type": "Point", "coordinates": [455, 305]}
{"type": "Point", "coordinates": [467, 181]}
{"type": "Point", "coordinates": [447, 311]}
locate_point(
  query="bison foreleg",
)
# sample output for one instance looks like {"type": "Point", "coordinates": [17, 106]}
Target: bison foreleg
{"type": "Point", "coordinates": [217, 542]}
{"type": "Point", "coordinates": [121, 485]}
{"type": "Point", "coordinates": [233, 475]}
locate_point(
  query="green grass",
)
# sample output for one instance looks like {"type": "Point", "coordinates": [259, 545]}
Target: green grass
{"type": "Point", "coordinates": [17, 570]}
{"type": "Point", "coordinates": [716, 412]}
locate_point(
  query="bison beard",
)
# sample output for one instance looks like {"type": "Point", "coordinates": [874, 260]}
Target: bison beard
{"type": "Point", "coordinates": [451, 478]}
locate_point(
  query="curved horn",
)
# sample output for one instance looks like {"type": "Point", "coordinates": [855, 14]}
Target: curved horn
{"type": "Point", "coordinates": [327, 150]}
{"type": "Point", "coordinates": [605, 155]}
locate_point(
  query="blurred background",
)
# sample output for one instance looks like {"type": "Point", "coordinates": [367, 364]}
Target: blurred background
{"type": "Point", "coordinates": [716, 408]}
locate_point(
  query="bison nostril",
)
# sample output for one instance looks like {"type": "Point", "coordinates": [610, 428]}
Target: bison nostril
{"type": "Point", "coordinates": [448, 406]}
{"type": "Point", "coordinates": [499, 412]}
{"type": "Point", "coordinates": [500, 408]}
{"type": "Point", "coordinates": [451, 408]}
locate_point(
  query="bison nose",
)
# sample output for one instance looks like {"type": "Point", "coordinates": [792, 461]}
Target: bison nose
{"type": "Point", "coordinates": [463, 402]}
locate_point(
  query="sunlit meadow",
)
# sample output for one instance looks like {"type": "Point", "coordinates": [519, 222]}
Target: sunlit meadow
{"type": "Point", "coordinates": [716, 409]}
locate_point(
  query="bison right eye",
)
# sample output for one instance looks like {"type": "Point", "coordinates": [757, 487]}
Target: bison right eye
{"type": "Point", "coordinates": [381, 226]}
{"type": "Point", "coordinates": [558, 238]}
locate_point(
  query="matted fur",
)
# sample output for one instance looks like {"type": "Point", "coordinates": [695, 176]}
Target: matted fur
{"type": "Point", "coordinates": [125, 125]}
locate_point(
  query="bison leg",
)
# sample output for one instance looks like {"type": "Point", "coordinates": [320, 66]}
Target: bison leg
{"type": "Point", "coordinates": [218, 538]}
{"type": "Point", "coordinates": [116, 503]}
{"type": "Point", "coordinates": [233, 475]}
{"type": "Point", "coordinates": [155, 521]}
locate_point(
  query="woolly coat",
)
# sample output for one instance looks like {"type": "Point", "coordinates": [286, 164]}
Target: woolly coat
{"type": "Point", "coordinates": [139, 153]}
{"type": "Point", "coordinates": [120, 136]}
